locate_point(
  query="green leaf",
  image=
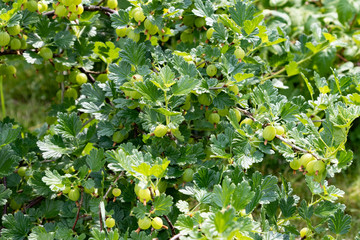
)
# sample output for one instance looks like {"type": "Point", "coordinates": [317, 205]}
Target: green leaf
{"type": "Point", "coordinates": [304, 211]}
{"type": "Point", "coordinates": [339, 223]}
{"type": "Point", "coordinates": [53, 180]}
{"type": "Point", "coordinates": [185, 224]}
{"type": "Point", "coordinates": [133, 53]}
{"type": "Point", "coordinates": [16, 226]}
{"type": "Point", "coordinates": [39, 233]}
{"type": "Point", "coordinates": [119, 73]}
{"type": "Point", "coordinates": [140, 210]}
{"type": "Point", "coordinates": [224, 220]}
{"type": "Point", "coordinates": [165, 79]}
{"type": "Point", "coordinates": [242, 196]}
{"type": "Point", "coordinates": [120, 20]}
{"type": "Point", "coordinates": [95, 160]}
{"type": "Point", "coordinates": [8, 161]}
{"type": "Point", "coordinates": [148, 90]}
{"type": "Point", "coordinates": [106, 51]}
{"type": "Point", "coordinates": [206, 178]}
{"type": "Point", "coordinates": [64, 39]}
{"type": "Point", "coordinates": [8, 133]}
{"type": "Point", "coordinates": [53, 147]}
{"type": "Point", "coordinates": [32, 57]}
{"type": "Point", "coordinates": [4, 194]}
{"type": "Point", "coordinates": [345, 11]}
{"type": "Point", "coordinates": [222, 194]}
{"type": "Point", "coordinates": [326, 208]}
{"type": "Point", "coordinates": [292, 69]}
{"type": "Point", "coordinates": [162, 204]}
{"type": "Point", "coordinates": [287, 206]}
{"type": "Point", "coordinates": [206, 11]}
{"type": "Point", "coordinates": [251, 25]}
{"type": "Point", "coordinates": [185, 85]}
{"type": "Point", "coordinates": [69, 125]}
{"type": "Point", "coordinates": [310, 88]}
{"type": "Point", "coordinates": [344, 158]}
{"type": "Point", "coordinates": [242, 12]}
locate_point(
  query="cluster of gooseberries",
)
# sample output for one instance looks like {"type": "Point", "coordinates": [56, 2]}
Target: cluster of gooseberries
{"type": "Point", "coordinates": [72, 9]}
{"type": "Point", "coordinates": [310, 166]}
{"type": "Point", "coordinates": [271, 131]}
{"type": "Point", "coordinates": [12, 39]}
{"type": "Point", "coordinates": [152, 32]}
{"type": "Point", "coordinates": [145, 195]}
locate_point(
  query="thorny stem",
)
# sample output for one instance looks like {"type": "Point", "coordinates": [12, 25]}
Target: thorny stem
{"type": "Point", "coordinates": [79, 208]}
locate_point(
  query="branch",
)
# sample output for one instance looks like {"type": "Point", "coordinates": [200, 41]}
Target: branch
{"type": "Point", "coordinates": [112, 184]}
{"type": "Point", "coordinates": [79, 208]}
{"type": "Point", "coordinates": [86, 123]}
{"type": "Point", "coordinates": [5, 206]}
{"type": "Point", "coordinates": [33, 203]}
{"type": "Point", "coordinates": [275, 74]}
{"type": "Point", "coordinates": [296, 147]}
{"type": "Point", "coordinates": [107, 192]}
{"type": "Point", "coordinates": [177, 236]}
{"type": "Point", "coordinates": [92, 79]}
{"type": "Point", "coordinates": [171, 225]}
{"type": "Point", "coordinates": [247, 113]}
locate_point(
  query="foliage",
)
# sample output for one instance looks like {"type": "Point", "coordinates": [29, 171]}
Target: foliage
{"type": "Point", "coordinates": [154, 100]}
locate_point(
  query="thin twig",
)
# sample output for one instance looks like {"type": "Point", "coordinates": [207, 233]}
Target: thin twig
{"type": "Point", "coordinates": [5, 207]}
{"type": "Point", "coordinates": [296, 147]}
{"type": "Point", "coordinates": [170, 224]}
{"type": "Point", "coordinates": [177, 236]}
{"type": "Point", "coordinates": [92, 79]}
{"type": "Point", "coordinates": [79, 208]}
{"type": "Point", "coordinates": [247, 113]}
{"type": "Point", "coordinates": [113, 184]}
{"type": "Point", "coordinates": [32, 203]}
{"type": "Point", "coordinates": [86, 123]}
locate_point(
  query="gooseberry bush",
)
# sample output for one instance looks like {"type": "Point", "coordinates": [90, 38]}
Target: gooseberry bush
{"type": "Point", "coordinates": [167, 109]}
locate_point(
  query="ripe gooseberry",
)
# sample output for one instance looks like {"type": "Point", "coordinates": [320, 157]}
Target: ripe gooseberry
{"type": "Point", "coordinates": [74, 194]}
{"type": "Point", "coordinates": [4, 39]}
{"type": "Point", "coordinates": [157, 223]}
{"type": "Point", "coordinates": [279, 130]}
{"type": "Point", "coordinates": [214, 118]}
{"type": "Point", "coordinates": [110, 222]}
{"type": "Point", "coordinates": [14, 30]}
{"type": "Point", "coordinates": [144, 194]}
{"type": "Point", "coordinates": [144, 223]}
{"type": "Point", "coordinates": [81, 78]}
{"type": "Point", "coordinates": [112, 4]}
{"type": "Point", "coordinates": [160, 130]}
{"type": "Point", "coordinates": [269, 133]}
{"type": "Point", "coordinates": [305, 159]}
{"type": "Point", "coordinates": [205, 99]}
{"type": "Point", "coordinates": [305, 232]}
{"type": "Point", "coordinates": [116, 192]}
{"type": "Point", "coordinates": [22, 171]}
{"type": "Point", "coordinates": [188, 175]}
{"type": "Point", "coordinates": [211, 70]}
{"type": "Point", "coordinates": [46, 53]}
{"type": "Point", "coordinates": [239, 53]}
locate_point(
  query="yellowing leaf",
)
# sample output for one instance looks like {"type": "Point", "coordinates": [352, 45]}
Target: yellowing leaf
{"type": "Point", "coordinates": [324, 89]}
{"type": "Point", "coordinates": [292, 69]}
{"type": "Point", "coordinates": [329, 37]}
{"type": "Point", "coordinates": [242, 76]}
